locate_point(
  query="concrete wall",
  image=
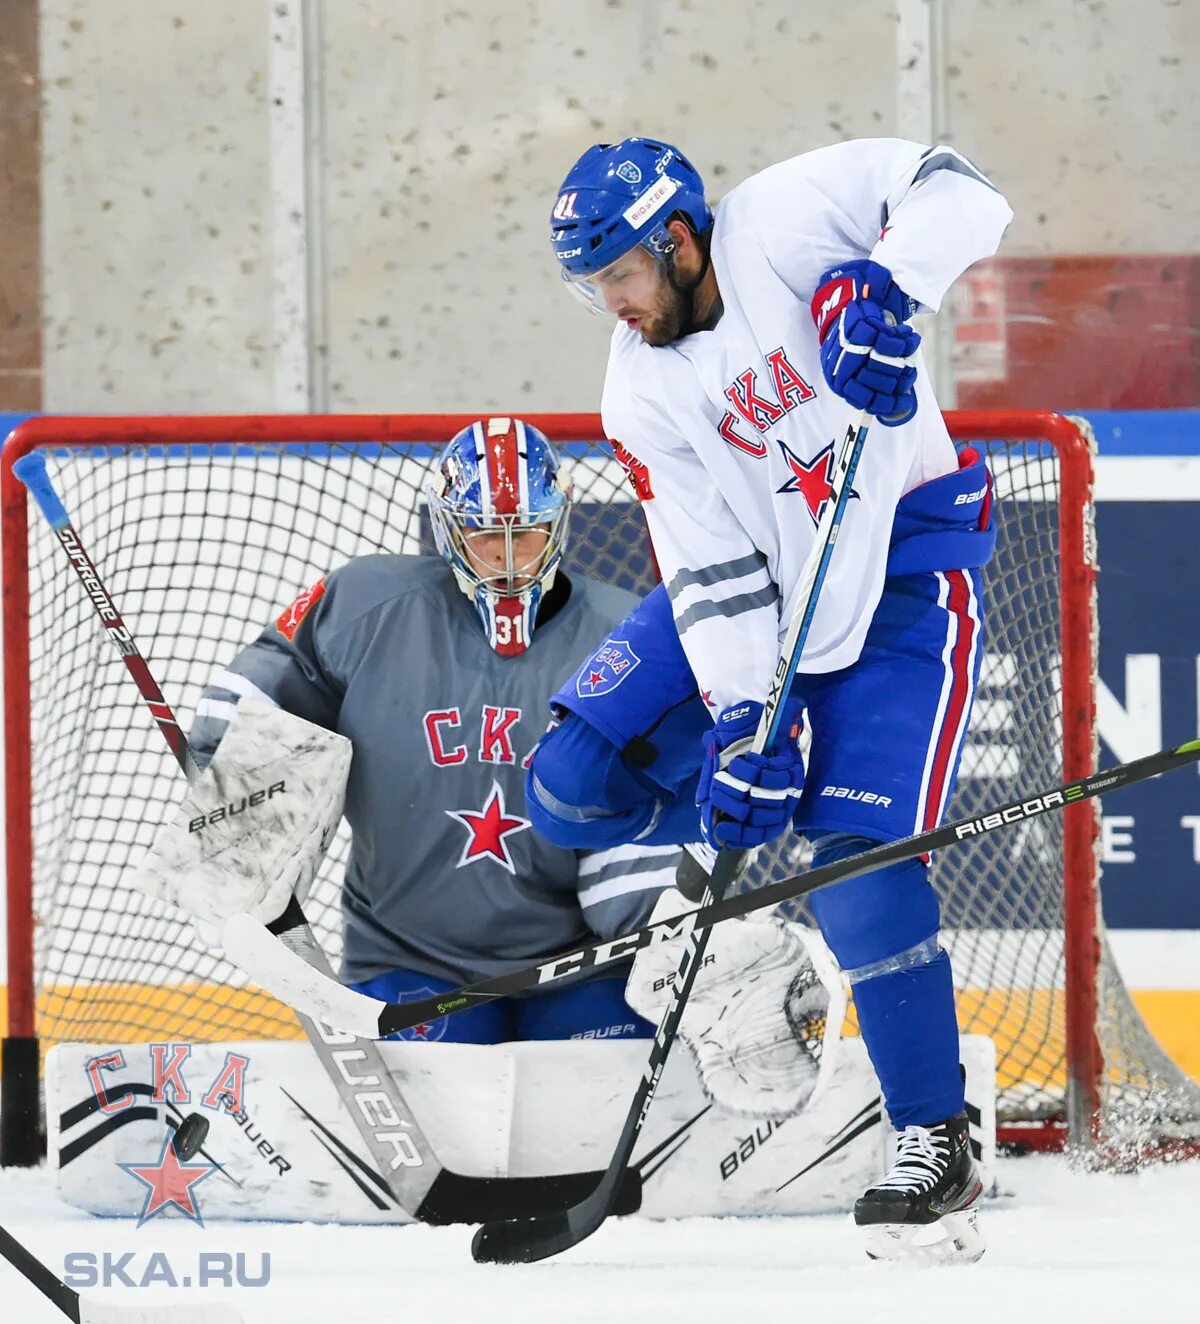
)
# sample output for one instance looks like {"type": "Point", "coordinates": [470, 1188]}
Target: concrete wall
{"type": "Point", "coordinates": [448, 128]}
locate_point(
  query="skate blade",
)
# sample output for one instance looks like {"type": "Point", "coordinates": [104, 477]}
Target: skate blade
{"type": "Point", "coordinates": [953, 1239]}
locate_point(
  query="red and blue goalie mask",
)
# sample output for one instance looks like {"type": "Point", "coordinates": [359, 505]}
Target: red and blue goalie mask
{"type": "Point", "coordinates": [499, 510]}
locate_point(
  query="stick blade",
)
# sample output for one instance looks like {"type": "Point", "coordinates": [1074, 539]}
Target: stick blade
{"type": "Point", "coordinates": [526, 1240]}
{"type": "Point", "coordinates": [454, 1198]}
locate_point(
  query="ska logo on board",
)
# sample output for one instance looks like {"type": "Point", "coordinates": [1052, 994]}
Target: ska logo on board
{"type": "Point", "coordinates": [608, 666]}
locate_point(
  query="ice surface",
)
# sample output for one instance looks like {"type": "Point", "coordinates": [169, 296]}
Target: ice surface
{"type": "Point", "coordinates": [1064, 1246]}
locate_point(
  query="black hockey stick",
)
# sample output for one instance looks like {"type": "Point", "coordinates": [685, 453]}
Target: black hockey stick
{"type": "Point", "coordinates": [270, 965]}
{"type": "Point", "coordinates": [423, 1188]}
{"type": "Point", "coordinates": [522, 1241]}
{"type": "Point", "coordinates": [82, 1311]}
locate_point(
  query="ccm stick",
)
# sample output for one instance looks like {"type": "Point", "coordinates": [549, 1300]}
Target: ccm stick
{"type": "Point", "coordinates": [423, 1188]}
{"type": "Point", "coordinates": [270, 966]}
{"type": "Point", "coordinates": [522, 1241]}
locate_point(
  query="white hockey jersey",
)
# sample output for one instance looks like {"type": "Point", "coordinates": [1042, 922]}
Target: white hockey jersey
{"type": "Point", "coordinates": [730, 433]}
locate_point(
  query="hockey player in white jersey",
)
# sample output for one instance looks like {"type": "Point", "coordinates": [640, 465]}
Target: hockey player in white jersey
{"type": "Point", "coordinates": [744, 341]}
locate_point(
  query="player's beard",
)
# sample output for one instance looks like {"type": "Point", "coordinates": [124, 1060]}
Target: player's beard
{"type": "Point", "coordinates": [671, 316]}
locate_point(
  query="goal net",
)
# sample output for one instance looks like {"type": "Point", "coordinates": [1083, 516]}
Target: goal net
{"type": "Point", "coordinates": [204, 528]}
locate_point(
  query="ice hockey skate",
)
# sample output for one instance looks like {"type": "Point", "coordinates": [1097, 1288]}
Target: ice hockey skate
{"type": "Point", "coordinates": [926, 1209]}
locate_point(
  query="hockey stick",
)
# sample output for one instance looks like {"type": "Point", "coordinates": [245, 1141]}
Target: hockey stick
{"type": "Point", "coordinates": [522, 1241]}
{"type": "Point", "coordinates": [82, 1311]}
{"type": "Point", "coordinates": [261, 957]}
{"type": "Point", "coordinates": [423, 1188]}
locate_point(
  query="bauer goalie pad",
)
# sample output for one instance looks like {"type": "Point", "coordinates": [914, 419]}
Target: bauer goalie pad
{"type": "Point", "coordinates": [759, 1016]}
{"type": "Point", "coordinates": [253, 830]}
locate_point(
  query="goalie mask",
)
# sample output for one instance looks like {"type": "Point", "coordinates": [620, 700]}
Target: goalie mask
{"type": "Point", "coordinates": [499, 511]}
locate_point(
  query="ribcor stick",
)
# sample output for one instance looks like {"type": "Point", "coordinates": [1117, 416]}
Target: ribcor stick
{"type": "Point", "coordinates": [423, 1188]}
{"type": "Point", "coordinates": [267, 964]}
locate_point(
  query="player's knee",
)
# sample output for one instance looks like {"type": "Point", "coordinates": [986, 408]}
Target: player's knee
{"type": "Point", "coordinates": [580, 794]}
{"type": "Point", "coordinates": [886, 916]}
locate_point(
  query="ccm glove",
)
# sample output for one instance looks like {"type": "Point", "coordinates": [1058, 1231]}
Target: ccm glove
{"type": "Point", "coordinates": [866, 342]}
{"type": "Point", "coordinates": [745, 798]}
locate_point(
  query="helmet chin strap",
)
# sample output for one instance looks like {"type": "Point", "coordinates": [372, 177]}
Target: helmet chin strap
{"type": "Point", "coordinates": [689, 290]}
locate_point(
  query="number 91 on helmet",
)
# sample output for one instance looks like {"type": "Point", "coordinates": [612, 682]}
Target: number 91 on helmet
{"type": "Point", "coordinates": [499, 507]}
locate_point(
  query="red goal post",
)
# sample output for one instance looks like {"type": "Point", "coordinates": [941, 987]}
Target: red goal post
{"type": "Point", "coordinates": [238, 497]}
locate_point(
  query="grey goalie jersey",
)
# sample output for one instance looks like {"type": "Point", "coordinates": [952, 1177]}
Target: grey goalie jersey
{"type": "Point", "coordinates": [445, 875]}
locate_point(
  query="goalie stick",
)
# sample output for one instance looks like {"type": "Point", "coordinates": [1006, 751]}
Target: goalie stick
{"type": "Point", "coordinates": [522, 1241]}
{"type": "Point", "coordinates": [423, 1188]}
{"type": "Point", "coordinates": [82, 1311]}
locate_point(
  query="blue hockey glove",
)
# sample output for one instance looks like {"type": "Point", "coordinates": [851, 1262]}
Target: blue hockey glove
{"type": "Point", "coordinates": [745, 799]}
{"type": "Point", "coordinates": [866, 342]}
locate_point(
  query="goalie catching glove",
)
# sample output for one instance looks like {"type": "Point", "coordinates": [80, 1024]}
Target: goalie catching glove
{"type": "Point", "coordinates": [253, 830]}
{"type": "Point", "coordinates": [757, 1015]}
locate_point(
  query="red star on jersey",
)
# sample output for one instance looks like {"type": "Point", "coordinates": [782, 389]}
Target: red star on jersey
{"type": "Point", "coordinates": [170, 1183]}
{"type": "Point", "coordinates": [487, 830]}
{"type": "Point", "coordinates": [814, 481]}
{"type": "Point", "coordinates": [594, 678]}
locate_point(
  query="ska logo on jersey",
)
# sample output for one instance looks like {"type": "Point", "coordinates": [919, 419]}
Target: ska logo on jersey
{"type": "Point", "coordinates": [814, 480]}
{"type": "Point", "coordinates": [487, 830]}
{"type": "Point", "coordinates": [608, 666]}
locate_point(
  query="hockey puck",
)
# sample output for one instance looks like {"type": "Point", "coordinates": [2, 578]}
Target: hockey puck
{"type": "Point", "coordinates": [189, 1135]}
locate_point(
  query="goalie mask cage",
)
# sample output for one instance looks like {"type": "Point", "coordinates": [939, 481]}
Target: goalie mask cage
{"type": "Point", "coordinates": [204, 528]}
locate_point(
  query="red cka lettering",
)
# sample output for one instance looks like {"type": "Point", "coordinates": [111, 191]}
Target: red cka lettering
{"type": "Point", "coordinates": [442, 728]}
{"type": "Point", "coordinates": [758, 409]}
{"type": "Point", "coordinates": [494, 743]}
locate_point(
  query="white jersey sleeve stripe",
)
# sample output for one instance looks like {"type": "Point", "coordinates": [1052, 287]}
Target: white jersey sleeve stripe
{"type": "Point", "coordinates": [651, 874]}
{"type": "Point", "coordinates": [239, 685]}
{"type": "Point", "coordinates": [216, 708]}
{"type": "Point", "coordinates": [606, 861]}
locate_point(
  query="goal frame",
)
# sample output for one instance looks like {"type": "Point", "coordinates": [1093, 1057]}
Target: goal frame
{"type": "Point", "coordinates": [19, 1123]}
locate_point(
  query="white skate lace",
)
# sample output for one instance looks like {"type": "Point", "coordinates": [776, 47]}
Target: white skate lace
{"type": "Point", "coordinates": [922, 1156]}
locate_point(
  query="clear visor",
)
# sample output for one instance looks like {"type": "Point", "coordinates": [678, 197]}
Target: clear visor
{"type": "Point", "coordinates": [623, 288]}
{"type": "Point", "coordinates": [507, 554]}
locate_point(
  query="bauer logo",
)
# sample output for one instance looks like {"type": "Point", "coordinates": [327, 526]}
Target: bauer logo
{"type": "Point", "coordinates": [235, 807]}
{"type": "Point", "coordinates": [608, 666]}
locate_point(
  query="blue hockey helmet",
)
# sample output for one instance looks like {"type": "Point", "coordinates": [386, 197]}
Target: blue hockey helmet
{"type": "Point", "coordinates": [500, 476]}
{"type": "Point", "coordinates": [618, 196]}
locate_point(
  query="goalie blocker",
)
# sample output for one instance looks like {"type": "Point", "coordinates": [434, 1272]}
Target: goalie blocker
{"type": "Point", "coordinates": [253, 830]}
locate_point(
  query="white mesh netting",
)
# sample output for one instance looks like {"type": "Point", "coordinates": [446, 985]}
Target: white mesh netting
{"type": "Point", "coordinates": [200, 545]}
